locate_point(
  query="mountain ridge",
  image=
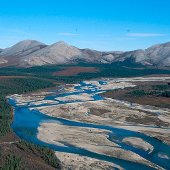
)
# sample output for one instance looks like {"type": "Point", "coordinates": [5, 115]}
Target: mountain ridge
{"type": "Point", "coordinates": [34, 53]}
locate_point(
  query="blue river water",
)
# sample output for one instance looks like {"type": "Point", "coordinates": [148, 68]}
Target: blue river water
{"type": "Point", "coordinates": [26, 123]}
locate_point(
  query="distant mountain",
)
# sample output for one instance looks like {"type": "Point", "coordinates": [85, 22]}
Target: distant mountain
{"type": "Point", "coordinates": [63, 53]}
{"type": "Point", "coordinates": [14, 54]}
{"type": "Point", "coordinates": [33, 53]}
{"type": "Point", "coordinates": [1, 50]}
{"type": "Point", "coordinates": [23, 48]}
{"type": "Point", "coordinates": [158, 55]}
{"type": "Point", "coordinates": [58, 53]}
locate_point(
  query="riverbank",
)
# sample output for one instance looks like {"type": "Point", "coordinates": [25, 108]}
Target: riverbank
{"type": "Point", "coordinates": [113, 114]}
{"type": "Point", "coordinates": [94, 140]}
{"type": "Point", "coordinates": [108, 133]}
{"type": "Point", "coordinates": [77, 162]}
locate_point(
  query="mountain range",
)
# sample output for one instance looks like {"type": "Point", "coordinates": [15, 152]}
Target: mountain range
{"type": "Point", "coordinates": [33, 53]}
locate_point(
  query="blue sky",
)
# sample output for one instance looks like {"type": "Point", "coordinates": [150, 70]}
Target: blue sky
{"type": "Point", "coordinates": [97, 24]}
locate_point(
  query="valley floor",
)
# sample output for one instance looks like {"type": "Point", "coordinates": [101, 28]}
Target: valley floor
{"type": "Point", "coordinates": [110, 124]}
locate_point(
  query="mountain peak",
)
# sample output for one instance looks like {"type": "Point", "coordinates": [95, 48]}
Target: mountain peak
{"type": "Point", "coordinates": [28, 43]}
{"type": "Point", "coordinates": [60, 43]}
{"type": "Point", "coordinates": [22, 48]}
{"type": "Point", "coordinates": [167, 44]}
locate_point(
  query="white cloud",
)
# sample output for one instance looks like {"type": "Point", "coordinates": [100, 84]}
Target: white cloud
{"type": "Point", "coordinates": [145, 35]}
{"type": "Point", "coordinates": [67, 34]}
{"type": "Point", "coordinates": [125, 38]}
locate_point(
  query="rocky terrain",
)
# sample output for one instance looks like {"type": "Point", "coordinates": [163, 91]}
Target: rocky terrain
{"type": "Point", "coordinates": [33, 53]}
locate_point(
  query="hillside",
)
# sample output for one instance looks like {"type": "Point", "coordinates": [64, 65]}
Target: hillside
{"type": "Point", "coordinates": [33, 53]}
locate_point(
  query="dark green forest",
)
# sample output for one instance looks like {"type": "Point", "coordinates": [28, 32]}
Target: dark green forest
{"type": "Point", "coordinates": [12, 86]}
{"type": "Point", "coordinates": [162, 90]}
{"type": "Point", "coordinates": [118, 69]}
{"type": "Point", "coordinates": [20, 85]}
